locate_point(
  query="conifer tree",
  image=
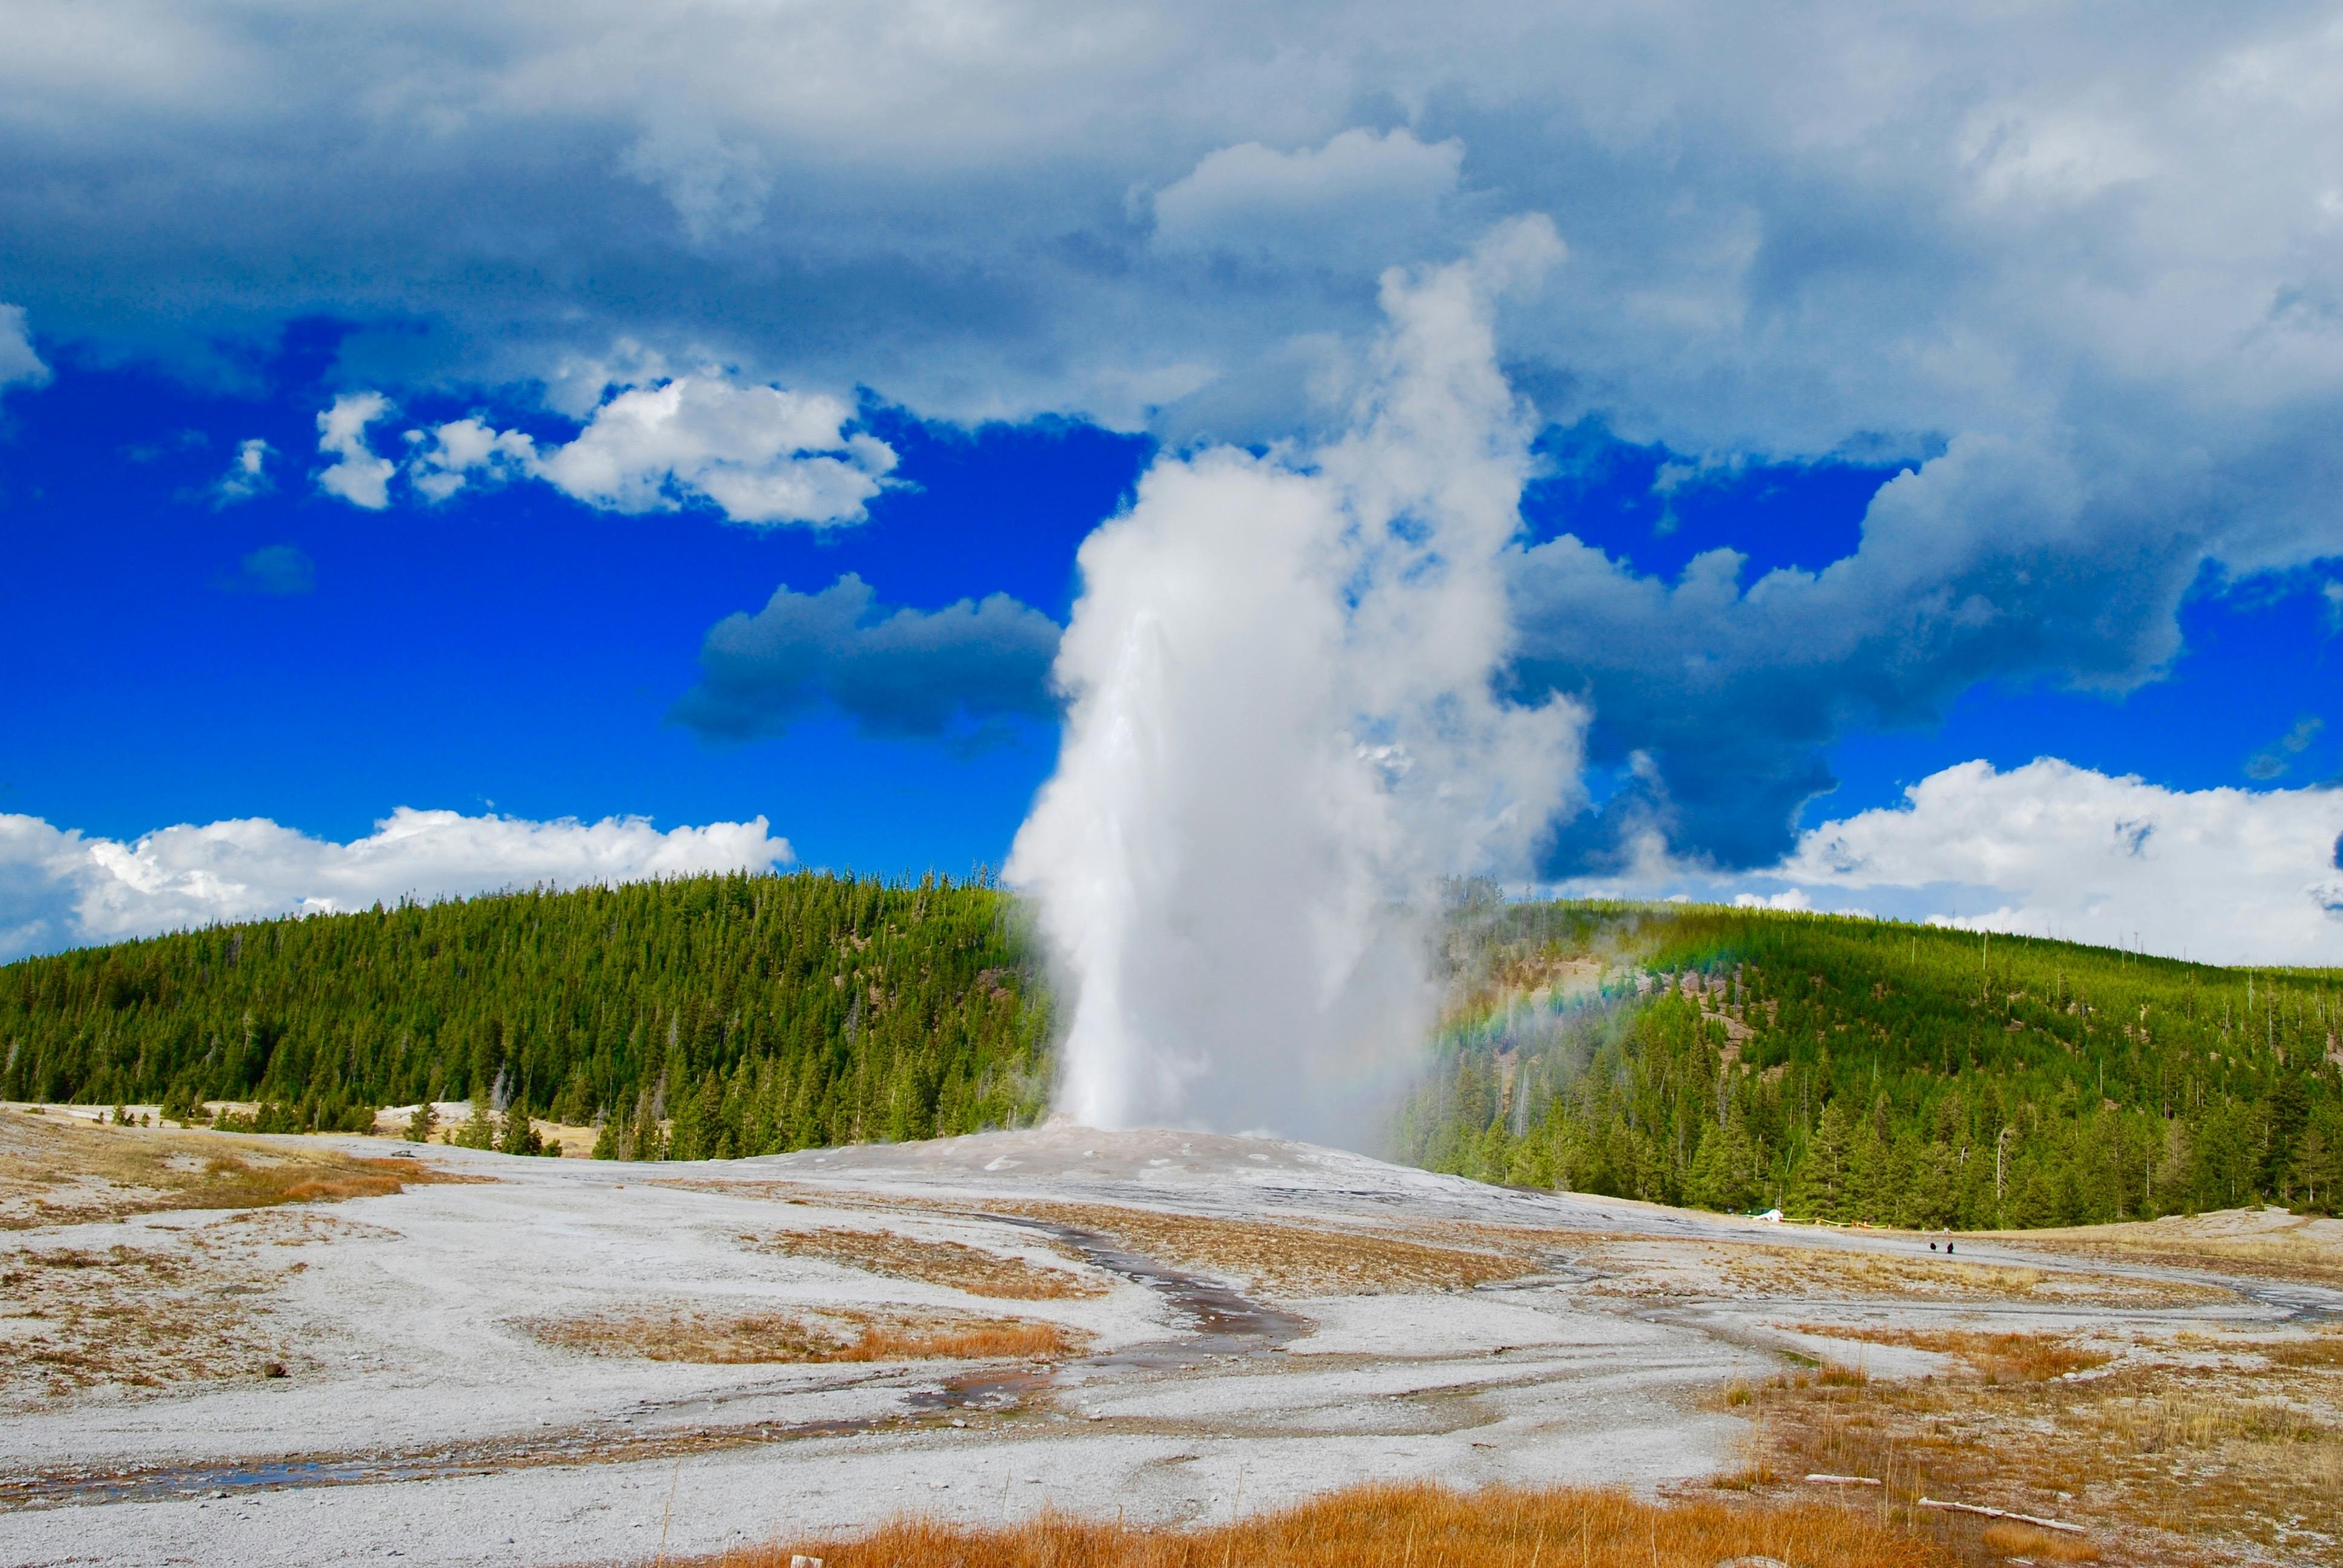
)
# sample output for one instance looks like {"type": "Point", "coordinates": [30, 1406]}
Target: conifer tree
{"type": "Point", "coordinates": [420, 1125]}
{"type": "Point", "coordinates": [479, 1128]}
{"type": "Point", "coordinates": [519, 1135]}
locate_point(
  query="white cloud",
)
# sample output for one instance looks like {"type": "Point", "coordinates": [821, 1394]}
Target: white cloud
{"type": "Point", "coordinates": [19, 364]}
{"type": "Point", "coordinates": [448, 456]}
{"type": "Point", "coordinates": [2051, 849]}
{"type": "Point", "coordinates": [60, 889]}
{"type": "Point", "coordinates": [1794, 899]}
{"type": "Point", "coordinates": [248, 474]}
{"type": "Point", "coordinates": [1364, 199]}
{"type": "Point", "coordinates": [760, 455]}
{"type": "Point", "coordinates": [355, 474]}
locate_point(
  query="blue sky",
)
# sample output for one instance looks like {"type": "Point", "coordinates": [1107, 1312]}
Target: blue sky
{"type": "Point", "coordinates": [513, 650]}
{"type": "Point", "coordinates": [519, 652]}
{"type": "Point", "coordinates": [1974, 403]}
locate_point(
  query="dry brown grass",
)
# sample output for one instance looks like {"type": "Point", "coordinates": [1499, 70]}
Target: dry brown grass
{"type": "Point", "coordinates": [2221, 1460]}
{"type": "Point", "coordinates": [2256, 1242]}
{"type": "Point", "coordinates": [1996, 1358]}
{"type": "Point", "coordinates": [1278, 1257]}
{"type": "Point", "coordinates": [1424, 1526]}
{"type": "Point", "coordinates": [1644, 1268]}
{"type": "Point", "coordinates": [153, 1312]}
{"type": "Point", "coordinates": [1284, 1258]}
{"type": "Point", "coordinates": [948, 1263]}
{"type": "Point", "coordinates": [830, 1334]}
{"type": "Point", "coordinates": [59, 1171]}
{"type": "Point", "coordinates": [2011, 1539]}
{"type": "Point", "coordinates": [2326, 1351]}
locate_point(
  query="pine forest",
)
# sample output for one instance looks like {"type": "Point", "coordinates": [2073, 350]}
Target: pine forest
{"type": "Point", "coordinates": [1838, 1069]}
{"type": "Point", "coordinates": [1871, 1071]}
{"type": "Point", "coordinates": [698, 1018]}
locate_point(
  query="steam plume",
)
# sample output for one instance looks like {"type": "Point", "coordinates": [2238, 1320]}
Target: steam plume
{"type": "Point", "coordinates": [1283, 732]}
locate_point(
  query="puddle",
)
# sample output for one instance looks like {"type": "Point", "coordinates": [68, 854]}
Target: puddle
{"type": "Point", "coordinates": [1223, 1323]}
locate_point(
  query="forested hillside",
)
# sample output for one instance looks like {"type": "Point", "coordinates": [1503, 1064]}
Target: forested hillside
{"type": "Point", "coordinates": [1730, 1059]}
{"type": "Point", "coordinates": [703, 1017]}
{"type": "Point", "coordinates": [1859, 1070]}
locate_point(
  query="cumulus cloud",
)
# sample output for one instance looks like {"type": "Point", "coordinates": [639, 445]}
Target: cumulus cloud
{"type": "Point", "coordinates": [2220, 875]}
{"type": "Point", "coordinates": [248, 474]}
{"type": "Point", "coordinates": [1796, 900]}
{"type": "Point", "coordinates": [448, 456]}
{"type": "Point", "coordinates": [60, 888]}
{"type": "Point", "coordinates": [19, 364]}
{"type": "Point", "coordinates": [950, 673]}
{"type": "Point", "coordinates": [355, 474]}
{"type": "Point", "coordinates": [1362, 199]}
{"type": "Point", "coordinates": [758, 455]}
{"type": "Point", "coordinates": [280, 571]}
{"type": "Point", "coordinates": [761, 454]}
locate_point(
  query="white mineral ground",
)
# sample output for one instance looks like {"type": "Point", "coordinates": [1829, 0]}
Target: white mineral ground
{"type": "Point", "coordinates": [407, 1349]}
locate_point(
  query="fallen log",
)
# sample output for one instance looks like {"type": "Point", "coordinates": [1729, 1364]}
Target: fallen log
{"type": "Point", "coordinates": [2002, 1514]}
{"type": "Point", "coordinates": [1844, 1479]}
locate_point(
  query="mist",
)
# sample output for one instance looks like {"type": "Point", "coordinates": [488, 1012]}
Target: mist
{"type": "Point", "coordinates": [1283, 731]}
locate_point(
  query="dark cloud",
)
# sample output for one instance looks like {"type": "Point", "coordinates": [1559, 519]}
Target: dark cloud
{"type": "Point", "coordinates": [1719, 698]}
{"type": "Point", "coordinates": [922, 674]}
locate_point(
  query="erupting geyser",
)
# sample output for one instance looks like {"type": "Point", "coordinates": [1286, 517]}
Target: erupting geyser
{"type": "Point", "coordinates": [1284, 730]}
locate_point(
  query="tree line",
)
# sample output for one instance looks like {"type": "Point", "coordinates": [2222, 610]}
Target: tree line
{"type": "Point", "coordinates": [1838, 1068]}
{"type": "Point", "coordinates": [699, 1017]}
{"type": "Point", "coordinates": [1864, 1070]}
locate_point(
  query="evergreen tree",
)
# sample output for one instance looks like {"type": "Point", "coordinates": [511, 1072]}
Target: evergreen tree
{"type": "Point", "coordinates": [479, 1128]}
{"type": "Point", "coordinates": [420, 1125]}
{"type": "Point", "coordinates": [520, 1133]}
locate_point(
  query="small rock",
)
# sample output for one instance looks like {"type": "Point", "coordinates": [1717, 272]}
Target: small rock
{"type": "Point", "coordinates": [273, 1369]}
{"type": "Point", "coordinates": [799, 1560]}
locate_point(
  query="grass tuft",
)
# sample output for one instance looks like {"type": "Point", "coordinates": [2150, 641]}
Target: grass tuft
{"type": "Point", "coordinates": [2011, 1539]}
{"type": "Point", "coordinates": [950, 1264]}
{"type": "Point", "coordinates": [1377, 1524]}
{"type": "Point", "coordinates": [830, 1334]}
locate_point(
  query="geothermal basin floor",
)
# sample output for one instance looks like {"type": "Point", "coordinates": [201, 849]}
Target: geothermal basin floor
{"type": "Point", "coordinates": [571, 1361]}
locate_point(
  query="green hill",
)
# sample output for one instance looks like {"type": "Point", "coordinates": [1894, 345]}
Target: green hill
{"type": "Point", "coordinates": [743, 1014]}
{"type": "Point", "coordinates": [1731, 1059]}
{"type": "Point", "coordinates": [1857, 1070]}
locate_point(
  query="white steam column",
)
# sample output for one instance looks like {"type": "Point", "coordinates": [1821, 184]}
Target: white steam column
{"type": "Point", "coordinates": [1283, 732]}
